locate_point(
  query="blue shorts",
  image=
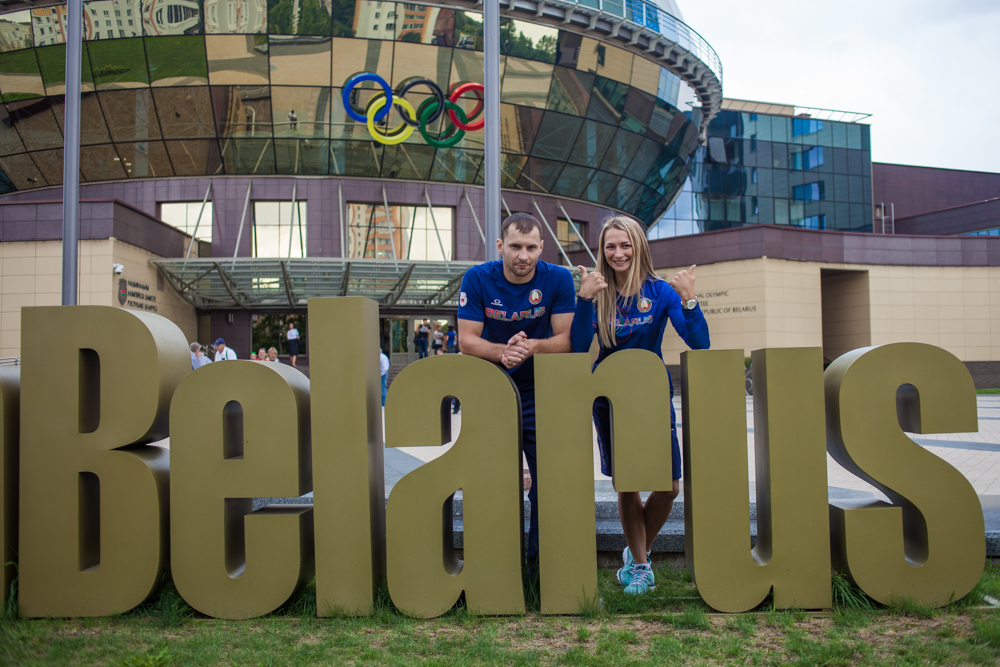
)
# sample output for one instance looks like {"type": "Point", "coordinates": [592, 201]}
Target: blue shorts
{"type": "Point", "coordinates": [602, 420]}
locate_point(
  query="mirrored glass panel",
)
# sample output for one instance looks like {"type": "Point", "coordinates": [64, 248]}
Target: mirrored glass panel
{"type": "Point", "coordinates": [242, 111]}
{"type": "Point", "coordinates": [638, 110]}
{"type": "Point", "coordinates": [93, 130]}
{"type": "Point", "coordinates": [424, 25]}
{"type": "Point", "coordinates": [351, 56]}
{"type": "Point", "coordinates": [407, 161]}
{"type": "Point", "coordinates": [50, 164]}
{"type": "Point", "coordinates": [298, 17]}
{"type": "Point", "coordinates": [645, 75]}
{"type": "Point", "coordinates": [302, 156]}
{"type": "Point", "coordinates": [169, 17]}
{"type": "Point", "coordinates": [237, 59]}
{"type": "Point", "coordinates": [469, 31]}
{"type": "Point", "coordinates": [304, 112]}
{"type": "Point", "coordinates": [52, 64]}
{"type": "Point", "coordinates": [146, 159]}
{"type": "Point", "coordinates": [120, 63]}
{"type": "Point", "coordinates": [526, 82]}
{"type": "Point", "coordinates": [556, 136]}
{"type": "Point", "coordinates": [101, 163]}
{"type": "Point", "coordinates": [518, 126]}
{"type": "Point", "coordinates": [539, 175]}
{"type": "Point", "coordinates": [300, 61]}
{"type": "Point", "coordinates": [605, 60]}
{"type": "Point", "coordinates": [371, 18]}
{"type": "Point", "coordinates": [355, 158]}
{"type": "Point", "coordinates": [20, 78]}
{"type": "Point", "coordinates": [22, 172]}
{"type": "Point", "coordinates": [177, 61]}
{"type": "Point", "coordinates": [48, 25]}
{"type": "Point", "coordinates": [607, 101]}
{"type": "Point", "coordinates": [522, 39]}
{"type": "Point", "coordinates": [130, 114]}
{"type": "Point", "coordinates": [468, 66]}
{"type": "Point", "coordinates": [572, 180]}
{"type": "Point", "coordinates": [248, 156]}
{"type": "Point", "coordinates": [592, 143]}
{"type": "Point", "coordinates": [37, 27]}
{"type": "Point", "coordinates": [36, 124]}
{"type": "Point", "coordinates": [570, 91]}
{"type": "Point", "coordinates": [645, 156]}
{"type": "Point", "coordinates": [225, 17]}
{"type": "Point", "coordinates": [184, 112]}
{"type": "Point", "coordinates": [601, 186]}
{"type": "Point", "coordinates": [456, 165]}
{"type": "Point", "coordinates": [421, 60]}
{"type": "Point", "coordinates": [195, 157]}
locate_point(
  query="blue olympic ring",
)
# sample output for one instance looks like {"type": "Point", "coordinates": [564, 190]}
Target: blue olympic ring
{"type": "Point", "coordinates": [349, 88]}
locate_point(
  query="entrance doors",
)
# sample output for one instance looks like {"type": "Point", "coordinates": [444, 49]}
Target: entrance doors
{"type": "Point", "coordinates": [401, 333]}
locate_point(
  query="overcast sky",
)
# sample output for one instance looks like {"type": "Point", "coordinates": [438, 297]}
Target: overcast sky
{"type": "Point", "coordinates": [928, 70]}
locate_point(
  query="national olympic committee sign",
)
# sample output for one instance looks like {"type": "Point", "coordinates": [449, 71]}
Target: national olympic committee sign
{"type": "Point", "coordinates": [103, 511]}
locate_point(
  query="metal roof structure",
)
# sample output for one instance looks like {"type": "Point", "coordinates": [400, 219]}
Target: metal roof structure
{"type": "Point", "coordinates": [280, 284]}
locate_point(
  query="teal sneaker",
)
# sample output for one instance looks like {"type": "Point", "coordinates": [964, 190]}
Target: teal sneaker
{"type": "Point", "coordinates": [642, 580]}
{"type": "Point", "coordinates": [624, 574]}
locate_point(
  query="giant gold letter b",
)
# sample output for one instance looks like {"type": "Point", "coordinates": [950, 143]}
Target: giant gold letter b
{"type": "Point", "coordinates": [95, 390]}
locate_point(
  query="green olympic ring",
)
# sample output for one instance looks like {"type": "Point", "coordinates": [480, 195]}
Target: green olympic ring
{"type": "Point", "coordinates": [444, 139]}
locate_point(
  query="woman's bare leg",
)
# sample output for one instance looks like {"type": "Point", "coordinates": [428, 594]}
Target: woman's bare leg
{"type": "Point", "coordinates": [633, 518]}
{"type": "Point", "coordinates": [656, 512]}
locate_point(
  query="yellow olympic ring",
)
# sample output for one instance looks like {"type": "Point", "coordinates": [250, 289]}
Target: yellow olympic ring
{"type": "Point", "coordinates": [389, 138]}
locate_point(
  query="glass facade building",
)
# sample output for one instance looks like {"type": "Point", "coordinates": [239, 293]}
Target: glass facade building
{"type": "Point", "coordinates": [777, 169]}
{"type": "Point", "coordinates": [177, 88]}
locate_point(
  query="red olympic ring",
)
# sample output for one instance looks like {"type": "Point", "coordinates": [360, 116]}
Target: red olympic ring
{"type": "Point", "coordinates": [459, 90]}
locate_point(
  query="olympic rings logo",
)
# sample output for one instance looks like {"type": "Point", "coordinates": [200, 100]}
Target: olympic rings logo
{"type": "Point", "coordinates": [428, 113]}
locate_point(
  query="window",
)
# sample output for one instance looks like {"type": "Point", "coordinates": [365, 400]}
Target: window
{"type": "Point", "coordinates": [409, 232]}
{"type": "Point", "coordinates": [128, 12]}
{"type": "Point", "coordinates": [802, 126]}
{"type": "Point", "coordinates": [568, 238]}
{"type": "Point", "coordinates": [812, 222]}
{"type": "Point", "coordinates": [107, 13]}
{"type": "Point", "coordinates": [275, 233]}
{"type": "Point", "coordinates": [809, 192]}
{"type": "Point", "coordinates": [376, 14]}
{"type": "Point", "coordinates": [184, 216]}
{"type": "Point", "coordinates": [808, 159]}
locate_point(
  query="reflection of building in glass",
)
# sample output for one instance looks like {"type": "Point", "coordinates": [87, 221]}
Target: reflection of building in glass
{"type": "Point", "coordinates": [111, 19]}
{"type": "Point", "coordinates": [48, 25]}
{"type": "Point", "coordinates": [14, 35]}
{"type": "Point", "coordinates": [375, 19]}
{"type": "Point", "coordinates": [407, 232]}
{"type": "Point", "coordinates": [235, 16]}
{"type": "Point", "coordinates": [171, 17]}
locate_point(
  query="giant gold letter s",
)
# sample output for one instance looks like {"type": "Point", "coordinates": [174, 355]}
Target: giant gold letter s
{"type": "Point", "coordinates": [929, 545]}
{"type": "Point", "coordinates": [349, 497]}
{"type": "Point", "coordinates": [96, 386]}
{"type": "Point", "coordinates": [425, 577]}
{"type": "Point", "coordinates": [637, 385]}
{"type": "Point", "coordinates": [10, 391]}
{"type": "Point", "coordinates": [792, 553]}
{"type": "Point", "coordinates": [240, 430]}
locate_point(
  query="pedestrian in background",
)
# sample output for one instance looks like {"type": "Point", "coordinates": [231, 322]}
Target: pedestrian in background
{"type": "Point", "coordinates": [451, 340]}
{"type": "Point", "coordinates": [292, 335]}
{"type": "Point", "coordinates": [223, 353]}
{"type": "Point", "coordinates": [198, 358]}
{"type": "Point", "coordinates": [272, 355]}
{"type": "Point", "coordinates": [421, 339]}
{"type": "Point", "coordinates": [438, 339]}
{"type": "Point", "coordinates": [383, 362]}
{"type": "Point", "coordinates": [261, 354]}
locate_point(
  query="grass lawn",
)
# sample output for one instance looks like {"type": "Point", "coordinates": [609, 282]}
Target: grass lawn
{"type": "Point", "coordinates": [177, 56]}
{"type": "Point", "coordinates": [670, 626]}
{"type": "Point", "coordinates": [988, 391]}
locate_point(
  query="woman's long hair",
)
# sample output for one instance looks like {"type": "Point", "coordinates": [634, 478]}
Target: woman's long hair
{"type": "Point", "coordinates": [639, 272]}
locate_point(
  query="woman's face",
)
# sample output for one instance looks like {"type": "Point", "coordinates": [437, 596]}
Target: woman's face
{"type": "Point", "coordinates": [272, 355]}
{"type": "Point", "coordinates": [262, 353]}
{"type": "Point", "coordinates": [291, 326]}
{"type": "Point", "coordinates": [618, 250]}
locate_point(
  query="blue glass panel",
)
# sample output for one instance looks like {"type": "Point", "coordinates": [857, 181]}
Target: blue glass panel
{"type": "Point", "coordinates": [807, 159]}
{"type": "Point", "coordinates": [802, 126]}
{"type": "Point", "coordinates": [652, 18]}
{"type": "Point", "coordinates": [809, 192]}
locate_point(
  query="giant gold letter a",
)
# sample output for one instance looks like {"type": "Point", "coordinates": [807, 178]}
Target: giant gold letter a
{"type": "Point", "coordinates": [425, 578]}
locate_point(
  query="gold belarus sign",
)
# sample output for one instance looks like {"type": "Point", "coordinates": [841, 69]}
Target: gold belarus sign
{"type": "Point", "coordinates": [102, 508]}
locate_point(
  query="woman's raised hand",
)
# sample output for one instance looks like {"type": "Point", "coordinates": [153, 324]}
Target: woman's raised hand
{"type": "Point", "coordinates": [591, 283]}
{"type": "Point", "coordinates": [683, 283]}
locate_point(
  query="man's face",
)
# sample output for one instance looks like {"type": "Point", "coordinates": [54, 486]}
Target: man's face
{"type": "Point", "coordinates": [220, 347]}
{"type": "Point", "coordinates": [520, 251]}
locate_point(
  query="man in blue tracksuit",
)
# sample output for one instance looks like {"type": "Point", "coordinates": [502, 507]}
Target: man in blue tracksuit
{"type": "Point", "coordinates": [511, 310]}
